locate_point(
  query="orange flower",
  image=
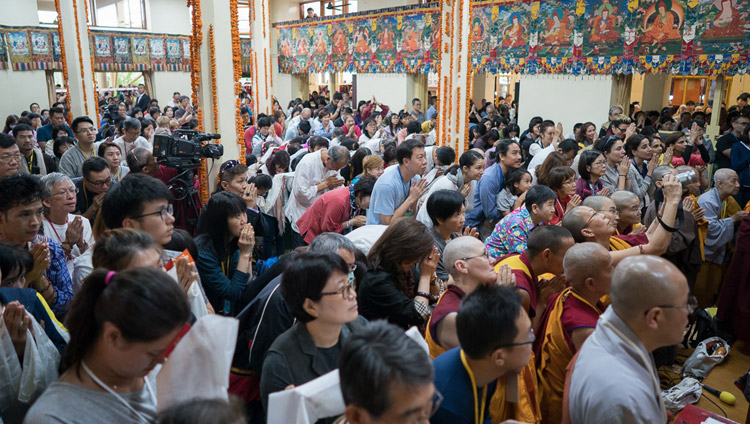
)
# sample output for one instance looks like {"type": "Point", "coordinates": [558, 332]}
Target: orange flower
{"type": "Point", "coordinates": [63, 59]}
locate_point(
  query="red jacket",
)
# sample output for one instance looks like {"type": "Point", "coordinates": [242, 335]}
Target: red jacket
{"type": "Point", "coordinates": [327, 214]}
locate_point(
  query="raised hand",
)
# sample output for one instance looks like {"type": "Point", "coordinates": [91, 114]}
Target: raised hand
{"type": "Point", "coordinates": [573, 202]}
{"type": "Point", "coordinates": [186, 272]}
{"type": "Point", "coordinates": [40, 253]}
{"type": "Point", "coordinates": [471, 232]}
{"type": "Point", "coordinates": [417, 190]}
{"type": "Point", "coordinates": [505, 276]}
{"type": "Point", "coordinates": [74, 233]}
{"type": "Point", "coordinates": [603, 192]}
{"type": "Point", "coordinates": [250, 196]}
{"type": "Point", "coordinates": [246, 240]}
{"type": "Point", "coordinates": [17, 321]}
{"type": "Point", "coordinates": [429, 263]}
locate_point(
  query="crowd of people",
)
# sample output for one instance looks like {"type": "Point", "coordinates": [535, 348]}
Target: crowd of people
{"type": "Point", "coordinates": [542, 268]}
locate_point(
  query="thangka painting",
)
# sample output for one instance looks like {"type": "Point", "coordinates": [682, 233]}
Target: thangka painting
{"type": "Point", "coordinates": [285, 46]}
{"type": "Point", "coordinates": [140, 53]}
{"type": "Point", "coordinates": [320, 47]}
{"type": "Point", "coordinates": [722, 27]}
{"type": "Point", "coordinates": [387, 48]}
{"type": "Point", "coordinates": [301, 47]}
{"type": "Point", "coordinates": [557, 23]}
{"type": "Point", "coordinates": [659, 24]}
{"type": "Point", "coordinates": [103, 56]}
{"type": "Point", "coordinates": [245, 51]}
{"type": "Point", "coordinates": [123, 55]}
{"type": "Point", "coordinates": [18, 46]}
{"type": "Point", "coordinates": [361, 40]}
{"type": "Point", "coordinates": [41, 50]}
{"type": "Point", "coordinates": [341, 49]}
{"type": "Point", "coordinates": [481, 27]}
{"type": "Point", "coordinates": [158, 54]}
{"type": "Point", "coordinates": [604, 27]}
{"type": "Point", "coordinates": [3, 54]}
{"type": "Point", "coordinates": [185, 65]}
{"type": "Point", "coordinates": [512, 30]}
{"type": "Point", "coordinates": [56, 50]}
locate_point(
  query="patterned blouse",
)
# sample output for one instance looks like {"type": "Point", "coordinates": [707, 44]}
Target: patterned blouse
{"type": "Point", "coordinates": [510, 234]}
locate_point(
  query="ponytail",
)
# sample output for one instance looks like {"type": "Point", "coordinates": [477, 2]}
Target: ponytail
{"type": "Point", "coordinates": [467, 159]}
{"type": "Point", "coordinates": [145, 304]}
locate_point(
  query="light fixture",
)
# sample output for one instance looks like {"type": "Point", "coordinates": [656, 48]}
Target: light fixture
{"type": "Point", "coordinates": [330, 5]}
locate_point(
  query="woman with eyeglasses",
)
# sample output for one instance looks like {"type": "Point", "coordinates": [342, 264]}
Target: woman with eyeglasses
{"type": "Point", "coordinates": [225, 251]}
{"type": "Point", "coordinates": [591, 168]}
{"type": "Point", "coordinates": [401, 283]}
{"type": "Point", "coordinates": [562, 180]}
{"type": "Point", "coordinates": [318, 288]}
{"type": "Point", "coordinates": [71, 232]}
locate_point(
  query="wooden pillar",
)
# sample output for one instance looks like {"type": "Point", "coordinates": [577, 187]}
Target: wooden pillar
{"type": "Point", "coordinates": [455, 75]}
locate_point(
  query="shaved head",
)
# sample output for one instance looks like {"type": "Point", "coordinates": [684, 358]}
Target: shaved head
{"type": "Point", "coordinates": [460, 247]}
{"type": "Point", "coordinates": [622, 198]}
{"type": "Point", "coordinates": [585, 260]}
{"type": "Point", "coordinates": [642, 282]}
{"type": "Point", "coordinates": [575, 220]}
{"type": "Point", "coordinates": [597, 203]}
{"type": "Point", "coordinates": [724, 174]}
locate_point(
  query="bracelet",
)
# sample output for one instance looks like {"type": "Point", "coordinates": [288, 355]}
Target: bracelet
{"type": "Point", "coordinates": [425, 295]}
{"type": "Point", "coordinates": [623, 175]}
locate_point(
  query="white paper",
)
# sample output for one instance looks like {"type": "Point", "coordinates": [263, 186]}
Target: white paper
{"type": "Point", "coordinates": [305, 404]}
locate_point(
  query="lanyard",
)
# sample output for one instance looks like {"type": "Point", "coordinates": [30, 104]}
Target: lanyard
{"type": "Point", "coordinates": [85, 196]}
{"type": "Point", "coordinates": [406, 191]}
{"type": "Point", "coordinates": [30, 161]}
{"type": "Point", "coordinates": [61, 240]}
{"type": "Point", "coordinates": [101, 384]}
{"type": "Point", "coordinates": [643, 171]}
{"type": "Point", "coordinates": [646, 362]}
{"type": "Point", "coordinates": [478, 415]}
{"type": "Point", "coordinates": [93, 152]}
{"type": "Point", "coordinates": [225, 267]}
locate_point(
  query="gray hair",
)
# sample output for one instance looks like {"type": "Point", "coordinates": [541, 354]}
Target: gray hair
{"type": "Point", "coordinates": [337, 132]}
{"type": "Point", "coordinates": [376, 357]}
{"type": "Point", "coordinates": [339, 154]}
{"type": "Point", "coordinates": [137, 159]}
{"type": "Point", "coordinates": [615, 108]}
{"type": "Point", "coordinates": [331, 243]}
{"type": "Point", "coordinates": [50, 180]}
{"type": "Point", "coordinates": [131, 124]}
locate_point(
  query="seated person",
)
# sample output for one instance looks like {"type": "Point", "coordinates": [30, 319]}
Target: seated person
{"type": "Point", "coordinates": [586, 224]}
{"type": "Point", "coordinates": [569, 320]}
{"type": "Point", "coordinates": [233, 178]}
{"type": "Point", "coordinates": [111, 152]}
{"type": "Point", "coordinates": [510, 234]}
{"type": "Point", "coordinates": [20, 218]}
{"type": "Point", "coordinates": [650, 309]}
{"type": "Point", "coordinates": [446, 210]}
{"type": "Point", "coordinates": [92, 187]}
{"type": "Point", "coordinates": [386, 377]}
{"type": "Point", "coordinates": [544, 255]}
{"type": "Point", "coordinates": [126, 248]}
{"type": "Point", "coordinates": [495, 336]}
{"type": "Point", "coordinates": [392, 289]}
{"type": "Point", "coordinates": [71, 232]}
{"type": "Point", "coordinates": [629, 212]}
{"type": "Point", "coordinates": [321, 296]}
{"type": "Point", "coordinates": [120, 323]}
{"type": "Point", "coordinates": [337, 211]}
{"type": "Point", "coordinates": [225, 251]}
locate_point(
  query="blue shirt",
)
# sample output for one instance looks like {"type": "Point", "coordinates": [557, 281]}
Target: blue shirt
{"type": "Point", "coordinates": [485, 197]}
{"type": "Point", "coordinates": [389, 193]}
{"type": "Point", "coordinates": [453, 382]}
{"type": "Point", "coordinates": [44, 133]}
{"type": "Point", "coordinates": [430, 113]}
{"type": "Point", "coordinates": [740, 159]}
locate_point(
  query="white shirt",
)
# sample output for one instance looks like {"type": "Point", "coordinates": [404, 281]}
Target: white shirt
{"type": "Point", "coordinates": [309, 173]}
{"type": "Point", "coordinates": [443, 183]}
{"type": "Point", "coordinates": [538, 159]}
{"type": "Point", "coordinates": [79, 264]}
{"type": "Point", "coordinates": [127, 147]}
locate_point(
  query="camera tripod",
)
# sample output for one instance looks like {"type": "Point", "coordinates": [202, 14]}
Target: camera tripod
{"type": "Point", "coordinates": [181, 185]}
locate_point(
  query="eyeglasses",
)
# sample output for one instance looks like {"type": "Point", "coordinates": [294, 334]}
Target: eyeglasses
{"type": "Point", "coordinates": [87, 130]}
{"type": "Point", "coordinates": [10, 158]}
{"type": "Point", "coordinates": [532, 339]}
{"type": "Point", "coordinates": [165, 213]}
{"type": "Point", "coordinates": [102, 183]}
{"type": "Point", "coordinates": [346, 292]}
{"type": "Point", "coordinates": [483, 254]}
{"type": "Point", "coordinates": [437, 400]}
{"type": "Point", "coordinates": [599, 163]}
{"type": "Point", "coordinates": [613, 211]}
{"type": "Point", "coordinates": [72, 191]}
{"type": "Point", "coordinates": [690, 306]}
{"type": "Point", "coordinates": [590, 219]}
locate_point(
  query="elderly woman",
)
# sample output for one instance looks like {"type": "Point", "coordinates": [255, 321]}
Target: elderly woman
{"type": "Point", "coordinates": [72, 232]}
{"type": "Point", "coordinates": [319, 290]}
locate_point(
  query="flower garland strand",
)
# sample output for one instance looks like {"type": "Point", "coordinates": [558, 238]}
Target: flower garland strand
{"type": "Point", "coordinates": [196, 40]}
{"type": "Point", "coordinates": [93, 74]}
{"type": "Point", "coordinates": [237, 72]}
{"type": "Point", "coordinates": [263, 6]}
{"type": "Point", "coordinates": [63, 59]}
{"type": "Point", "coordinates": [212, 61]}
{"type": "Point", "coordinates": [80, 57]}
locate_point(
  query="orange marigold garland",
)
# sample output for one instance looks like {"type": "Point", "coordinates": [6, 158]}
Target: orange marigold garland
{"type": "Point", "coordinates": [263, 6]}
{"type": "Point", "coordinates": [80, 57]}
{"type": "Point", "coordinates": [212, 75]}
{"type": "Point", "coordinates": [237, 73]}
{"type": "Point", "coordinates": [93, 74]}
{"type": "Point", "coordinates": [265, 69]}
{"type": "Point", "coordinates": [196, 39]}
{"type": "Point", "coordinates": [63, 59]}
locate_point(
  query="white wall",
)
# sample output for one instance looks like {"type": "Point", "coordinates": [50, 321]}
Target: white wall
{"type": "Point", "coordinates": [21, 88]}
{"type": "Point", "coordinates": [363, 5]}
{"type": "Point", "coordinates": [393, 90]}
{"type": "Point", "coordinates": [169, 16]}
{"type": "Point", "coordinates": [565, 99]}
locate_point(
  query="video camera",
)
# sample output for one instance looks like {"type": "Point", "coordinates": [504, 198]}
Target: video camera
{"type": "Point", "coordinates": [185, 148]}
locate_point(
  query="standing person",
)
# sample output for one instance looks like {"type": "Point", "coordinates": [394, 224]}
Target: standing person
{"type": "Point", "coordinates": [71, 232]}
{"type": "Point", "coordinates": [35, 161]}
{"type": "Point", "coordinates": [740, 159]}
{"type": "Point", "coordinates": [21, 212]}
{"type": "Point", "coordinates": [225, 247]}
{"type": "Point", "coordinates": [495, 336]}
{"type": "Point", "coordinates": [175, 102]}
{"type": "Point", "coordinates": [72, 160]}
{"type": "Point", "coordinates": [726, 143]}
{"type": "Point", "coordinates": [642, 158]}
{"type": "Point", "coordinates": [416, 111]}
{"type": "Point", "coordinates": [320, 293]}
{"type": "Point", "coordinates": [44, 133]}
{"type": "Point", "coordinates": [143, 100]}
{"type": "Point", "coordinates": [485, 215]}
{"type": "Point", "coordinates": [650, 306]}
{"type": "Point", "coordinates": [120, 325]}
{"type": "Point", "coordinates": [111, 152]}
{"type": "Point", "coordinates": [400, 187]}
{"type": "Point", "coordinates": [316, 174]}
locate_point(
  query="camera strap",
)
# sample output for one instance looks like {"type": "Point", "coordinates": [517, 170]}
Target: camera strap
{"type": "Point", "coordinates": [679, 218]}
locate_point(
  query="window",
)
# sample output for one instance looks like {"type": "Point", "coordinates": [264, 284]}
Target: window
{"type": "Point", "coordinates": [320, 7]}
{"type": "Point", "coordinates": [46, 11]}
{"type": "Point", "coordinates": [119, 13]}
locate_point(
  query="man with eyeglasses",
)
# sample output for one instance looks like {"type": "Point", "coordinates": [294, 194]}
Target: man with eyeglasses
{"type": "Point", "coordinates": [544, 254]}
{"type": "Point", "coordinates": [469, 266]}
{"type": "Point", "coordinates": [130, 136]}
{"type": "Point", "coordinates": [569, 320]}
{"type": "Point", "coordinates": [386, 377]}
{"type": "Point", "coordinates": [495, 336]}
{"type": "Point", "coordinates": [72, 160]}
{"type": "Point", "coordinates": [726, 143]}
{"type": "Point", "coordinates": [589, 224]}
{"type": "Point", "coordinates": [10, 156]}
{"type": "Point", "coordinates": [614, 379]}
{"type": "Point", "coordinates": [35, 162]}
{"type": "Point", "coordinates": [92, 187]}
